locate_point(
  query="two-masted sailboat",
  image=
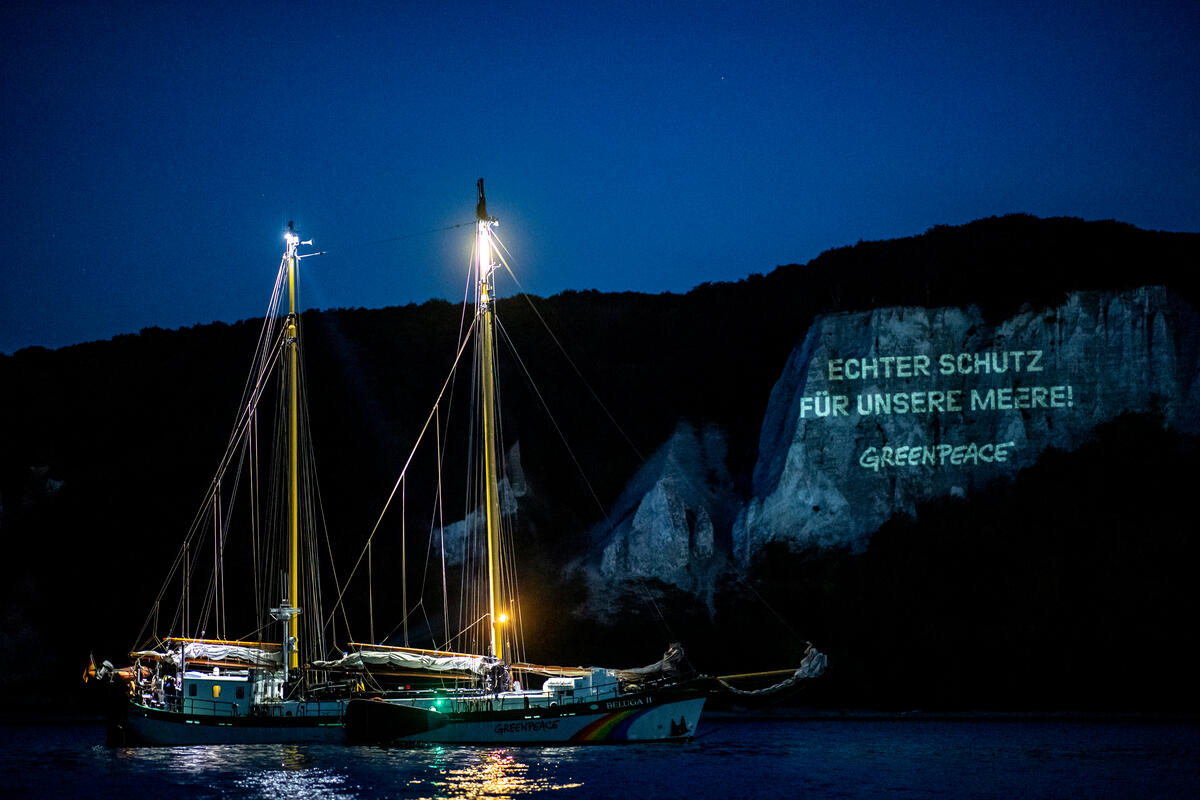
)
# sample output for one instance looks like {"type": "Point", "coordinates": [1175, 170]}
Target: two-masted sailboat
{"type": "Point", "coordinates": [188, 688]}
{"type": "Point", "coordinates": [572, 705]}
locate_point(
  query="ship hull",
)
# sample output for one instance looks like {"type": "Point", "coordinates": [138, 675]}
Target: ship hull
{"type": "Point", "coordinates": [635, 718]}
{"type": "Point", "coordinates": [150, 726]}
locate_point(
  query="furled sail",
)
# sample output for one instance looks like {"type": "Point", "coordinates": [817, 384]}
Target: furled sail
{"type": "Point", "coordinates": [399, 659]}
{"type": "Point", "coordinates": [207, 651]}
{"type": "Point", "coordinates": [811, 666]}
{"type": "Point", "coordinates": [667, 666]}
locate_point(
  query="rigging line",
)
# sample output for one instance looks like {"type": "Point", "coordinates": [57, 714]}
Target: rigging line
{"type": "Point", "coordinates": [252, 444]}
{"type": "Point", "coordinates": [398, 238]}
{"type": "Point", "coordinates": [429, 627]}
{"type": "Point", "coordinates": [403, 471]}
{"type": "Point", "coordinates": [404, 554]}
{"type": "Point", "coordinates": [553, 421]}
{"type": "Point", "coordinates": [507, 531]}
{"type": "Point", "coordinates": [437, 523]}
{"type": "Point", "coordinates": [332, 565]}
{"type": "Point", "coordinates": [746, 582]}
{"type": "Point", "coordinates": [226, 523]}
{"type": "Point", "coordinates": [201, 513]}
{"type": "Point", "coordinates": [646, 594]}
{"type": "Point", "coordinates": [312, 477]}
{"type": "Point", "coordinates": [472, 625]}
{"type": "Point", "coordinates": [370, 595]}
{"type": "Point", "coordinates": [554, 338]}
{"type": "Point", "coordinates": [439, 517]}
{"type": "Point", "coordinates": [442, 536]}
{"type": "Point", "coordinates": [509, 576]}
{"type": "Point", "coordinates": [473, 594]}
{"type": "Point", "coordinates": [221, 524]}
{"type": "Point", "coordinates": [433, 521]}
{"type": "Point", "coordinates": [254, 635]}
{"type": "Point", "coordinates": [264, 356]}
{"type": "Point", "coordinates": [352, 246]}
{"type": "Point", "coordinates": [240, 430]}
{"type": "Point", "coordinates": [404, 621]}
{"type": "Point", "coordinates": [256, 365]}
{"type": "Point", "coordinates": [462, 319]}
{"type": "Point", "coordinates": [260, 367]}
{"type": "Point", "coordinates": [243, 419]}
{"type": "Point", "coordinates": [218, 564]}
{"type": "Point", "coordinates": [439, 448]}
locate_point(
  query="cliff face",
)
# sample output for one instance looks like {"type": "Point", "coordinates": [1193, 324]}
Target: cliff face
{"type": "Point", "coordinates": [460, 535]}
{"type": "Point", "coordinates": [672, 522]}
{"type": "Point", "coordinates": [878, 411]}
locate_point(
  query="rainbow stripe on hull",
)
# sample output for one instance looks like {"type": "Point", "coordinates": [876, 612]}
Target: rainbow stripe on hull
{"type": "Point", "coordinates": [666, 719]}
{"type": "Point", "coordinates": [627, 724]}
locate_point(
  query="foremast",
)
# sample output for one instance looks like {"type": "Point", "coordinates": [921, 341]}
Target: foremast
{"type": "Point", "coordinates": [485, 267]}
{"type": "Point", "coordinates": [289, 609]}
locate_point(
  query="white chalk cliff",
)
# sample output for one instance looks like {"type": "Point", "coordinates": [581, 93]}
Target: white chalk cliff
{"type": "Point", "coordinates": [672, 522]}
{"type": "Point", "coordinates": [967, 402]}
{"type": "Point", "coordinates": [878, 411]}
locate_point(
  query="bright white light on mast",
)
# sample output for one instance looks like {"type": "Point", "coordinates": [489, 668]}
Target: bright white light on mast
{"type": "Point", "coordinates": [485, 248]}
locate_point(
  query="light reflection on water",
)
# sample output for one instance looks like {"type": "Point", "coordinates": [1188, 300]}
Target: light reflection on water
{"type": "Point", "coordinates": [738, 760]}
{"type": "Point", "coordinates": [421, 773]}
{"type": "Point", "coordinates": [308, 783]}
{"type": "Point", "coordinates": [498, 773]}
{"type": "Point", "coordinates": [215, 759]}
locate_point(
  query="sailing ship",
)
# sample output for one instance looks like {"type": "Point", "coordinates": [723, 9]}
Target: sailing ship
{"type": "Point", "coordinates": [188, 688]}
{"type": "Point", "coordinates": [572, 705]}
{"type": "Point", "coordinates": [184, 688]}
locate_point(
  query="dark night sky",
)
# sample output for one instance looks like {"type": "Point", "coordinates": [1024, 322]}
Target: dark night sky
{"type": "Point", "coordinates": [151, 154]}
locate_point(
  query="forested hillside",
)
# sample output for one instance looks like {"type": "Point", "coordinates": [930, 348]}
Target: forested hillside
{"type": "Point", "coordinates": [1069, 588]}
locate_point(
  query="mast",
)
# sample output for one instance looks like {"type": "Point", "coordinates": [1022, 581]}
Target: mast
{"type": "Point", "coordinates": [485, 268]}
{"type": "Point", "coordinates": [292, 345]}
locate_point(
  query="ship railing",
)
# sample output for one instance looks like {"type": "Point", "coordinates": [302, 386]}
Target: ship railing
{"type": "Point", "coordinates": [207, 708]}
{"type": "Point", "coordinates": [301, 709]}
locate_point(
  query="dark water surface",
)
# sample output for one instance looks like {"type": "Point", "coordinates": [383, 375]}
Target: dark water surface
{"type": "Point", "coordinates": [730, 759]}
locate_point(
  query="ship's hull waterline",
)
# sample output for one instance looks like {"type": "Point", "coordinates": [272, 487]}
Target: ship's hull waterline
{"type": "Point", "coordinates": [635, 719]}
{"type": "Point", "coordinates": [638, 718]}
{"type": "Point", "coordinates": [151, 726]}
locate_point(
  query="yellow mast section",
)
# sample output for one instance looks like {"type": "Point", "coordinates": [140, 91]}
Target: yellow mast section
{"type": "Point", "coordinates": [483, 228]}
{"type": "Point", "coordinates": [294, 457]}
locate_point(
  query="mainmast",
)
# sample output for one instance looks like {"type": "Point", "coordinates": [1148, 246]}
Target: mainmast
{"type": "Point", "coordinates": [292, 346]}
{"type": "Point", "coordinates": [484, 269]}
{"type": "Point", "coordinates": [289, 608]}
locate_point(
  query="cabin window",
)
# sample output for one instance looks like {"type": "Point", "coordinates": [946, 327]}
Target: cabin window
{"type": "Point", "coordinates": [216, 690]}
{"type": "Point", "coordinates": [241, 693]}
{"type": "Point", "coordinates": [192, 690]}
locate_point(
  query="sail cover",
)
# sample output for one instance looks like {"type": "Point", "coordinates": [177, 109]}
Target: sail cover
{"type": "Point", "coordinates": [667, 667]}
{"type": "Point", "coordinates": [811, 666]}
{"type": "Point", "coordinates": [203, 651]}
{"type": "Point", "coordinates": [406, 660]}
